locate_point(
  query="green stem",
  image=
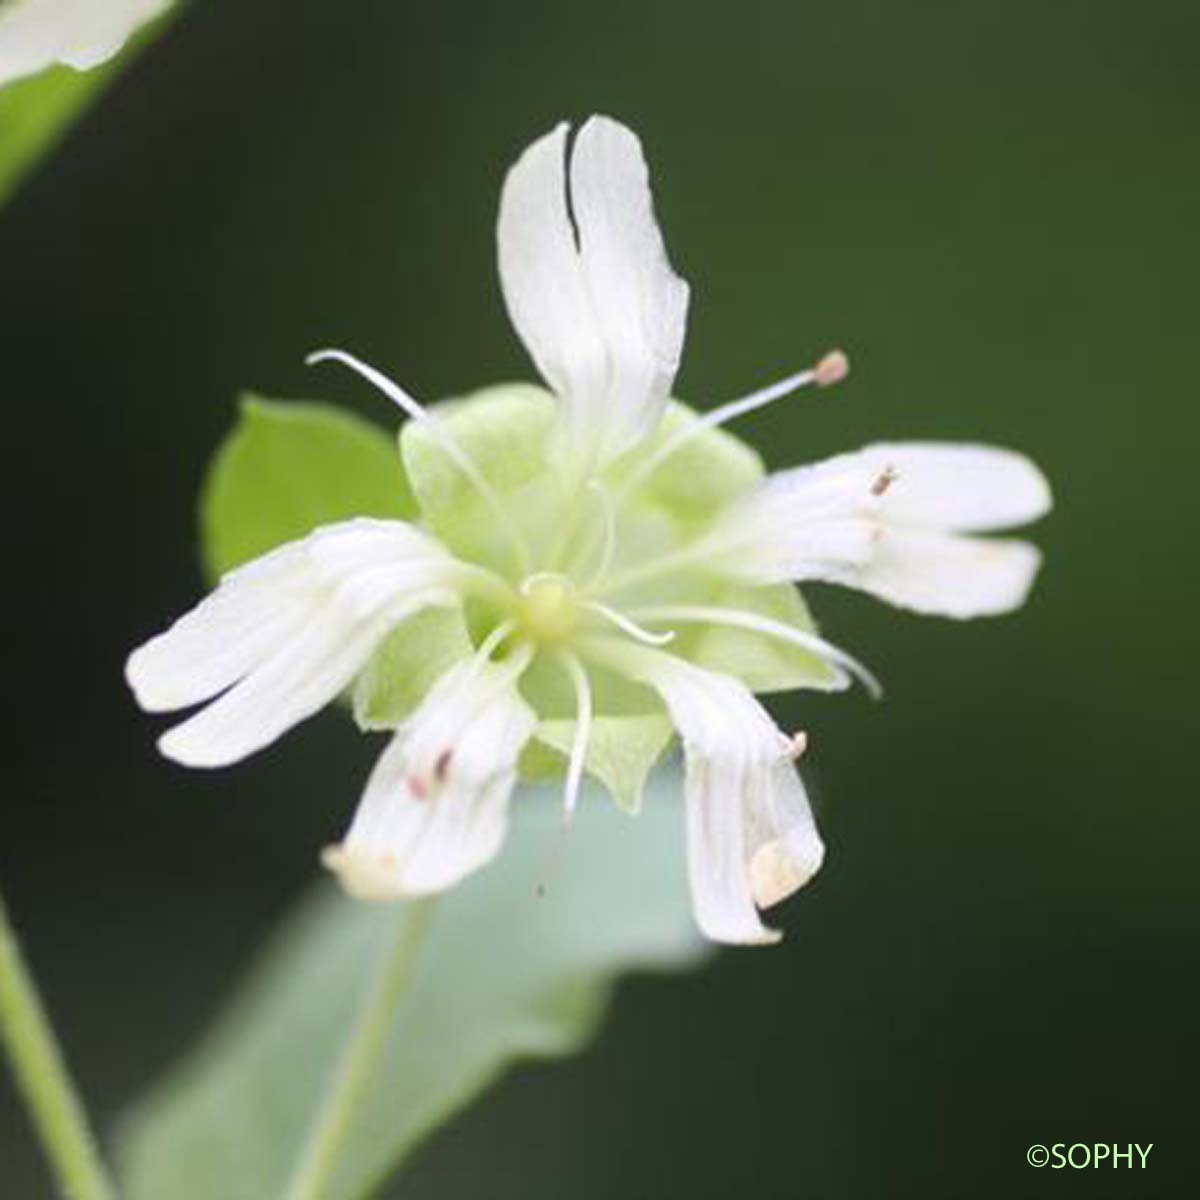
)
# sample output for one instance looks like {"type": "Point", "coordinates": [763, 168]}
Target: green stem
{"type": "Point", "coordinates": [359, 1055]}
{"type": "Point", "coordinates": [43, 1080]}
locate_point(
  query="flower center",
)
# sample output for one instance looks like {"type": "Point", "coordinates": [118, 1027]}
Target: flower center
{"type": "Point", "coordinates": [549, 609]}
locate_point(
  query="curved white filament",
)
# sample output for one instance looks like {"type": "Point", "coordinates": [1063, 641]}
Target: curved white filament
{"type": "Point", "coordinates": [445, 439]}
{"type": "Point", "coordinates": [741, 619]}
{"type": "Point", "coordinates": [489, 645]}
{"type": "Point", "coordinates": [583, 731]}
{"type": "Point", "coordinates": [530, 582]}
{"type": "Point", "coordinates": [710, 420]}
{"type": "Point", "coordinates": [629, 626]}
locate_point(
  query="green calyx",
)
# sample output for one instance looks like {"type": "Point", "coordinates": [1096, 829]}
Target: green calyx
{"type": "Point", "coordinates": [561, 551]}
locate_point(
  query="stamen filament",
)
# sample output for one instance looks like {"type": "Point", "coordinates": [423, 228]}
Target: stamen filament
{"type": "Point", "coordinates": [829, 370]}
{"type": "Point", "coordinates": [741, 619]}
{"type": "Point", "coordinates": [490, 644]}
{"type": "Point", "coordinates": [539, 577]}
{"type": "Point", "coordinates": [629, 626]}
{"type": "Point", "coordinates": [461, 458]}
{"type": "Point", "coordinates": [583, 731]}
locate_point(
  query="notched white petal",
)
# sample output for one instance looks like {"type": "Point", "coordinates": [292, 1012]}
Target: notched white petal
{"type": "Point", "coordinates": [595, 299]}
{"type": "Point", "coordinates": [436, 806]}
{"type": "Point", "coordinates": [889, 520]}
{"type": "Point", "coordinates": [786, 850]}
{"type": "Point", "coordinates": [283, 635]}
{"type": "Point", "coordinates": [959, 487]}
{"type": "Point", "coordinates": [751, 836]}
{"type": "Point", "coordinates": [950, 575]}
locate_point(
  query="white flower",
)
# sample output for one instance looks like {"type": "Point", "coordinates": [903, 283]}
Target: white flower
{"type": "Point", "coordinates": [579, 534]}
{"type": "Point", "coordinates": [35, 34]}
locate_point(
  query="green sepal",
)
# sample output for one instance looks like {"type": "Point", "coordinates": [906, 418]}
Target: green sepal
{"type": "Point", "coordinates": [698, 480]}
{"type": "Point", "coordinates": [621, 753]}
{"type": "Point", "coordinates": [407, 665]}
{"type": "Point", "coordinates": [504, 430]}
{"type": "Point", "coordinates": [288, 467]}
{"type": "Point", "coordinates": [507, 432]}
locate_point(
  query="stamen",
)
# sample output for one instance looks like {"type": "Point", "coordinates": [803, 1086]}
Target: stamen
{"type": "Point", "coordinates": [539, 577]}
{"type": "Point", "coordinates": [629, 626]}
{"type": "Point", "coordinates": [741, 619]}
{"type": "Point", "coordinates": [797, 744]}
{"type": "Point", "coordinates": [887, 477]}
{"type": "Point", "coordinates": [419, 413]}
{"type": "Point", "coordinates": [583, 731]}
{"type": "Point", "coordinates": [442, 765]}
{"type": "Point", "coordinates": [831, 369]}
{"type": "Point", "coordinates": [490, 643]}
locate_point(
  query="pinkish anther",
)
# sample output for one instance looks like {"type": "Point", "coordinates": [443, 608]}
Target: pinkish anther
{"type": "Point", "coordinates": [887, 477]}
{"type": "Point", "coordinates": [833, 368]}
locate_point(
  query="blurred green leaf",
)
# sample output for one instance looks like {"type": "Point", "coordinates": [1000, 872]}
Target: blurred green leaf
{"type": "Point", "coordinates": [34, 112]}
{"type": "Point", "coordinates": [504, 975]}
{"type": "Point", "coordinates": [288, 467]}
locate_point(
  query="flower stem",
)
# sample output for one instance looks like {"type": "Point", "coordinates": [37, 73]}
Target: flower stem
{"type": "Point", "coordinates": [359, 1055]}
{"type": "Point", "coordinates": [43, 1080]}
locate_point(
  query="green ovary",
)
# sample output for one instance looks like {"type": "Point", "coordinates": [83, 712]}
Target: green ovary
{"type": "Point", "coordinates": [549, 613]}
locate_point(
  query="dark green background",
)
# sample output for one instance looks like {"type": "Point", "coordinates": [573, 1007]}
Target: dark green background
{"type": "Point", "coordinates": [996, 209]}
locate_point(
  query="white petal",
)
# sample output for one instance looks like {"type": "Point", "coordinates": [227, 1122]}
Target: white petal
{"type": "Point", "coordinates": [293, 627]}
{"type": "Point", "coordinates": [947, 574]}
{"type": "Point", "coordinates": [958, 486]}
{"type": "Point", "coordinates": [751, 835]}
{"type": "Point", "coordinates": [35, 34]}
{"type": "Point", "coordinates": [241, 624]}
{"type": "Point", "coordinates": [810, 522]}
{"type": "Point", "coordinates": [299, 679]}
{"type": "Point", "coordinates": [722, 895]}
{"type": "Point", "coordinates": [436, 806]}
{"type": "Point", "coordinates": [602, 316]}
{"type": "Point", "coordinates": [541, 274]}
{"type": "Point", "coordinates": [883, 519]}
{"type": "Point", "coordinates": [640, 302]}
{"type": "Point", "coordinates": [785, 849]}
